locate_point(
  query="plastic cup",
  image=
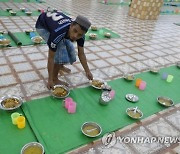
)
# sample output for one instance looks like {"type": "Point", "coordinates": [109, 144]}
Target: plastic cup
{"type": "Point", "coordinates": [72, 107]}
{"type": "Point", "coordinates": [21, 122]}
{"type": "Point", "coordinates": [14, 117]}
{"type": "Point", "coordinates": [112, 94]}
{"type": "Point", "coordinates": [138, 81]}
{"type": "Point", "coordinates": [142, 85]}
{"type": "Point", "coordinates": [164, 76]}
{"type": "Point", "coordinates": [67, 101]}
{"type": "Point", "coordinates": [170, 78]}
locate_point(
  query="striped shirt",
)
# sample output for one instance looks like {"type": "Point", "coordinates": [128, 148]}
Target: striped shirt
{"type": "Point", "coordinates": [58, 25]}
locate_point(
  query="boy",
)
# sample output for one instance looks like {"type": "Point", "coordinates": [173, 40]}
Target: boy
{"type": "Point", "coordinates": [59, 31]}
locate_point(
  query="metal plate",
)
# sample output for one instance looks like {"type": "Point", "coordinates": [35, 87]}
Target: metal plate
{"type": "Point", "coordinates": [4, 98]}
{"type": "Point", "coordinates": [93, 128]}
{"type": "Point", "coordinates": [165, 101]}
{"type": "Point", "coordinates": [53, 91]}
{"type": "Point", "coordinates": [100, 81]}
{"type": "Point", "coordinates": [132, 97]}
{"type": "Point", "coordinates": [130, 112]}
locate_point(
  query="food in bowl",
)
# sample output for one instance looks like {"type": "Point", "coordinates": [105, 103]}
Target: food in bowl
{"type": "Point", "coordinates": [10, 102]}
{"type": "Point", "coordinates": [37, 39]}
{"type": "Point", "coordinates": [165, 101]}
{"type": "Point", "coordinates": [92, 36]}
{"type": "Point", "coordinates": [32, 148]}
{"type": "Point", "coordinates": [91, 129]}
{"type": "Point", "coordinates": [134, 113]}
{"type": "Point", "coordinates": [97, 83]}
{"type": "Point", "coordinates": [60, 91]}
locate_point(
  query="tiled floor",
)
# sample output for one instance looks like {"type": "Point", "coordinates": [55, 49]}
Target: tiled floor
{"type": "Point", "coordinates": [143, 44]}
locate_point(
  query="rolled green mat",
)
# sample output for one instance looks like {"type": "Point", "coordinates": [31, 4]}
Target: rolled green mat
{"type": "Point", "coordinates": [15, 39]}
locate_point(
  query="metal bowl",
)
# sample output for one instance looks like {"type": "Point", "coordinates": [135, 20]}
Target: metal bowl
{"type": "Point", "coordinates": [178, 64]}
{"type": "Point", "coordinates": [32, 147]}
{"type": "Point", "coordinates": [94, 28]}
{"type": "Point", "coordinates": [60, 91]}
{"type": "Point", "coordinates": [129, 77]}
{"type": "Point", "coordinates": [105, 98]}
{"type": "Point", "coordinates": [91, 129]}
{"type": "Point", "coordinates": [5, 42]}
{"type": "Point", "coordinates": [37, 39]}
{"type": "Point", "coordinates": [28, 31]}
{"type": "Point", "coordinates": [108, 35]}
{"type": "Point", "coordinates": [28, 13]}
{"type": "Point", "coordinates": [97, 83]}
{"type": "Point", "coordinates": [22, 9]}
{"type": "Point", "coordinates": [165, 101]}
{"type": "Point", "coordinates": [132, 97]}
{"type": "Point", "coordinates": [154, 70]}
{"type": "Point", "coordinates": [92, 36]}
{"type": "Point", "coordinates": [13, 13]}
{"type": "Point", "coordinates": [135, 115]}
{"type": "Point", "coordinates": [8, 9]}
{"type": "Point", "coordinates": [10, 102]}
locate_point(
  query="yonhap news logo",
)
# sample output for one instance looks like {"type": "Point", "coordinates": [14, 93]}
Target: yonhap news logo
{"type": "Point", "coordinates": [110, 139]}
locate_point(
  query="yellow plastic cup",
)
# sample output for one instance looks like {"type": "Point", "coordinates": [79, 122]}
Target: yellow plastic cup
{"type": "Point", "coordinates": [170, 78]}
{"type": "Point", "coordinates": [14, 117]}
{"type": "Point", "coordinates": [138, 81]}
{"type": "Point", "coordinates": [21, 122]}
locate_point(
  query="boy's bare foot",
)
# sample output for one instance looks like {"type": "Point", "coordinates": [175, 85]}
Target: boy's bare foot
{"type": "Point", "coordinates": [56, 82]}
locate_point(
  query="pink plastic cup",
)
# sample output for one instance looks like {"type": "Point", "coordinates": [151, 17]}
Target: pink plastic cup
{"type": "Point", "coordinates": [67, 101]}
{"type": "Point", "coordinates": [142, 85]}
{"type": "Point", "coordinates": [72, 107]}
{"type": "Point", "coordinates": [112, 94]}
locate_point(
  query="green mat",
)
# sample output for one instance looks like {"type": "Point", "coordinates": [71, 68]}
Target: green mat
{"type": "Point", "coordinates": [121, 4]}
{"type": "Point", "coordinates": [18, 13]}
{"type": "Point", "coordinates": [60, 132]}
{"type": "Point", "coordinates": [12, 138]}
{"type": "Point", "coordinates": [23, 1]}
{"type": "Point", "coordinates": [169, 13]}
{"type": "Point", "coordinates": [100, 34]}
{"type": "Point", "coordinates": [23, 37]}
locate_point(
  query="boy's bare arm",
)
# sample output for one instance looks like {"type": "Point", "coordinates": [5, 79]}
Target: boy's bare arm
{"type": "Point", "coordinates": [83, 61]}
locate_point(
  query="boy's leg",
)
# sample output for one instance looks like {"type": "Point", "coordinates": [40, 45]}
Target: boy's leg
{"type": "Point", "coordinates": [57, 68]}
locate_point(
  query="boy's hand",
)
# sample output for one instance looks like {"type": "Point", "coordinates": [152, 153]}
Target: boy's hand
{"type": "Point", "coordinates": [89, 75]}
